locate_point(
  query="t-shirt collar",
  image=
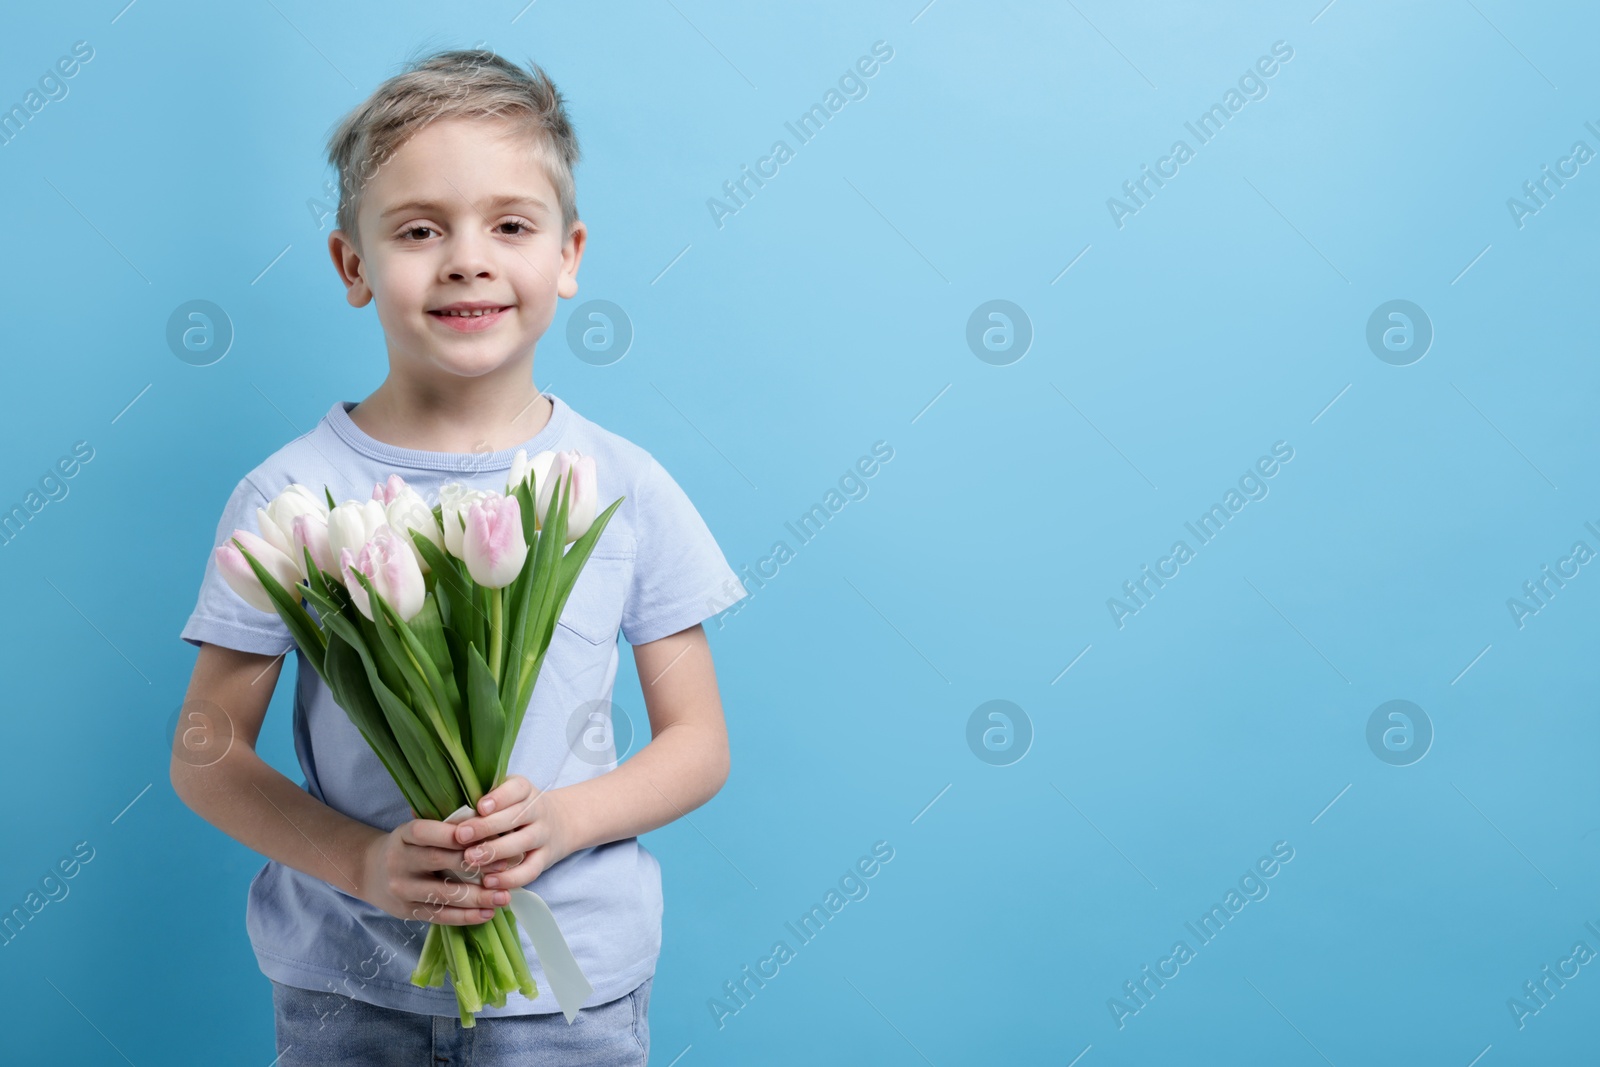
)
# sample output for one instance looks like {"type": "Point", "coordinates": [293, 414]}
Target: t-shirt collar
{"type": "Point", "coordinates": [338, 419]}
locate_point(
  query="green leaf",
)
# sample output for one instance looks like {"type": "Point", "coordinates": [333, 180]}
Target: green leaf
{"type": "Point", "coordinates": [551, 543]}
{"type": "Point", "coordinates": [428, 628]}
{"type": "Point", "coordinates": [328, 607]}
{"type": "Point", "coordinates": [410, 658]}
{"type": "Point", "coordinates": [347, 680]}
{"type": "Point", "coordinates": [306, 634]}
{"type": "Point", "coordinates": [324, 593]}
{"type": "Point", "coordinates": [449, 583]}
{"type": "Point", "coordinates": [540, 595]}
{"type": "Point", "coordinates": [542, 625]}
{"type": "Point", "coordinates": [388, 670]}
{"type": "Point", "coordinates": [427, 688]}
{"type": "Point", "coordinates": [432, 769]}
{"type": "Point", "coordinates": [572, 566]}
{"type": "Point", "coordinates": [515, 623]}
{"type": "Point", "coordinates": [515, 596]}
{"type": "Point", "coordinates": [527, 501]}
{"type": "Point", "coordinates": [578, 554]}
{"type": "Point", "coordinates": [422, 754]}
{"type": "Point", "coordinates": [404, 655]}
{"type": "Point", "coordinates": [488, 719]}
{"type": "Point", "coordinates": [329, 494]}
{"type": "Point", "coordinates": [458, 657]}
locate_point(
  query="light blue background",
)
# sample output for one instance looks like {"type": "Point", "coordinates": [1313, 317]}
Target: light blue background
{"type": "Point", "coordinates": [826, 315]}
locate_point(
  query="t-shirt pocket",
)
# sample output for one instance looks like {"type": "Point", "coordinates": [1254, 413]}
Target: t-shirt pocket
{"type": "Point", "coordinates": [594, 609]}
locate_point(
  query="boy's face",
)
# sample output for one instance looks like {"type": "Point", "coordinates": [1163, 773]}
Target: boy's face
{"type": "Point", "coordinates": [433, 235]}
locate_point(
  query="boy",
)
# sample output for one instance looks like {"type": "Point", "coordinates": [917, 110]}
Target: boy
{"type": "Point", "coordinates": [457, 219]}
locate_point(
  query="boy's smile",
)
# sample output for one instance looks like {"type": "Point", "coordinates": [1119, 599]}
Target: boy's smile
{"type": "Point", "coordinates": [470, 316]}
{"type": "Point", "coordinates": [462, 251]}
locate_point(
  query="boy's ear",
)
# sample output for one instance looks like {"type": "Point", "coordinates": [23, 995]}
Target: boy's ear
{"type": "Point", "coordinates": [348, 262]}
{"type": "Point", "coordinates": [571, 256]}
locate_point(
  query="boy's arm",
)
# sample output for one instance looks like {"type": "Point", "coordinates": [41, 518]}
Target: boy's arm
{"type": "Point", "coordinates": [682, 767]}
{"type": "Point", "coordinates": [245, 798]}
{"type": "Point", "coordinates": [240, 793]}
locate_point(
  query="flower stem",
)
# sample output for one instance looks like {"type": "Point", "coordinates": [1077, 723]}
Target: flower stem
{"type": "Point", "coordinates": [496, 639]}
{"type": "Point", "coordinates": [503, 978]}
{"type": "Point", "coordinates": [519, 962]}
{"type": "Point", "coordinates": [467, 996]}
{"type": "Point", "coordinates": [430, 963]}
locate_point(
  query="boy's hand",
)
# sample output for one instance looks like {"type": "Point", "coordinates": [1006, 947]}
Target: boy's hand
{"type": "Point", "coordinates": [404, 871]}
{"type": "Point", "coordinates": [519, 833]}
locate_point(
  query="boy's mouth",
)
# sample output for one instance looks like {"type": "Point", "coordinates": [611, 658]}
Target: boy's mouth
{"type": "Point", "coordinates": [471, 320]}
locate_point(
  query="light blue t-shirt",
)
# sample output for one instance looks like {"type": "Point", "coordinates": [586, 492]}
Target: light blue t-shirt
{"type": "Point", "coordinates": [655, 570]}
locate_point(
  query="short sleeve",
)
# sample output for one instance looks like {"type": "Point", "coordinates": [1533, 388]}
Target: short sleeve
{"type": "Point", "coordinates": [680, 576]}
{"type": "Point", "coordinates": [221, 616]}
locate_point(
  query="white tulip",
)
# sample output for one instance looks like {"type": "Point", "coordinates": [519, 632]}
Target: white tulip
{"type": "Point", "coordinates": [522, 467]}
{"type": "Point", "coordinates": [406, 510]}
{"type": "Point", "coordinates": [454, 500]}
{"type": "Point", "coordinates": [352, 524]}
{"type": "Point", "coordinates": [278, 516]}
{"type": "Point", "coordinates": [583, 494]}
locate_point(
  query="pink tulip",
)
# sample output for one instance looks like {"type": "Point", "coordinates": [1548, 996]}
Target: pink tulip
{"type": "Point", "coordinates": [584, 492]}
{"type": "Point", "coordinates": [311, 530]}
{"type": "Point", "coordinates": [391, 567]}
{"type": "Point", "coordinates": [492, 544]}
{"type": "Point", "coordinates": [386, 492]}
{"type": "Point", "coordinates": [406, 511]}
{"type": "Point", "coordinates": [236, 571]}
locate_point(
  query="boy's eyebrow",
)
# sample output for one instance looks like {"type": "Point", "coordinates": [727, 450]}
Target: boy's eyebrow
{"type": "Point", "coordinates": [430, 206]}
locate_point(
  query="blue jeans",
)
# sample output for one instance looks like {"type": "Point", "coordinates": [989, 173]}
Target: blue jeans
{"type": "Point", "coordinates": [320, 1029]}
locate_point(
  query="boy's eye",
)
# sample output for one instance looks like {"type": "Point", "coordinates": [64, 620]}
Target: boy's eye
{"type": "Point", "coordinates": [522, 227]}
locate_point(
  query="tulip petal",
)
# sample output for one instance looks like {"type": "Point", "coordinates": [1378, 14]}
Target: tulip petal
{"type": "Point", "coordinates": [236, 570]}
{"type": "Point", "coordinates": [492, 543]}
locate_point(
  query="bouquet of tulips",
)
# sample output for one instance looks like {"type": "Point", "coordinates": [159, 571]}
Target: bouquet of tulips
{"type": "Point", "coordinates": [431, 625]}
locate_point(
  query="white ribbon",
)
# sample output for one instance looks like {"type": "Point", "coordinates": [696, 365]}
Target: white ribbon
{"type": "Point", "coordinates": [566, 978]}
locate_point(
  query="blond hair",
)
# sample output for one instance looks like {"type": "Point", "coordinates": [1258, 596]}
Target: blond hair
{"type": "Point", "coordinates": [461, 83]}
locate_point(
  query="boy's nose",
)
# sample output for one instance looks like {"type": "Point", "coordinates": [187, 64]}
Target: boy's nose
{"type": "Point", "coordinates": [467, 256]}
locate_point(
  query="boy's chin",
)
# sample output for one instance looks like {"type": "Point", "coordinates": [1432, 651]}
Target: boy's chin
{"type": "Point", "coordinates": [474, 365]}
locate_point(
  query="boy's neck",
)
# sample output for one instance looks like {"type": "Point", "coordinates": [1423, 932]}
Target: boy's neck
{"type": "Point", "coordinates": [426, 421]}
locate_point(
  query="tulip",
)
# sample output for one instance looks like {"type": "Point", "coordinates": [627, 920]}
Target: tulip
{"type": "Point", "coordinates": [454, 499]}
{"type": "Point", "coordinates": [392, 570]}
{"type": "Point", "coordinates": [386, 491]}
{"type": "Point", "coordinates": [352, 524]}
{"type": "Point", "coordinates": [279, 514]}
{"type": "Point", "coordinates": [310, 530]}
{"type": "Point", "coordinates": [522, 468]}
{"type": "Point", "coordinates": [236, 570]}
{"type": "Point", "coordinates": [492, 543]}
{"type": "Point", "coordinates": [583, 496]}
{"type": "Point", "coordinates": [406, 510]}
